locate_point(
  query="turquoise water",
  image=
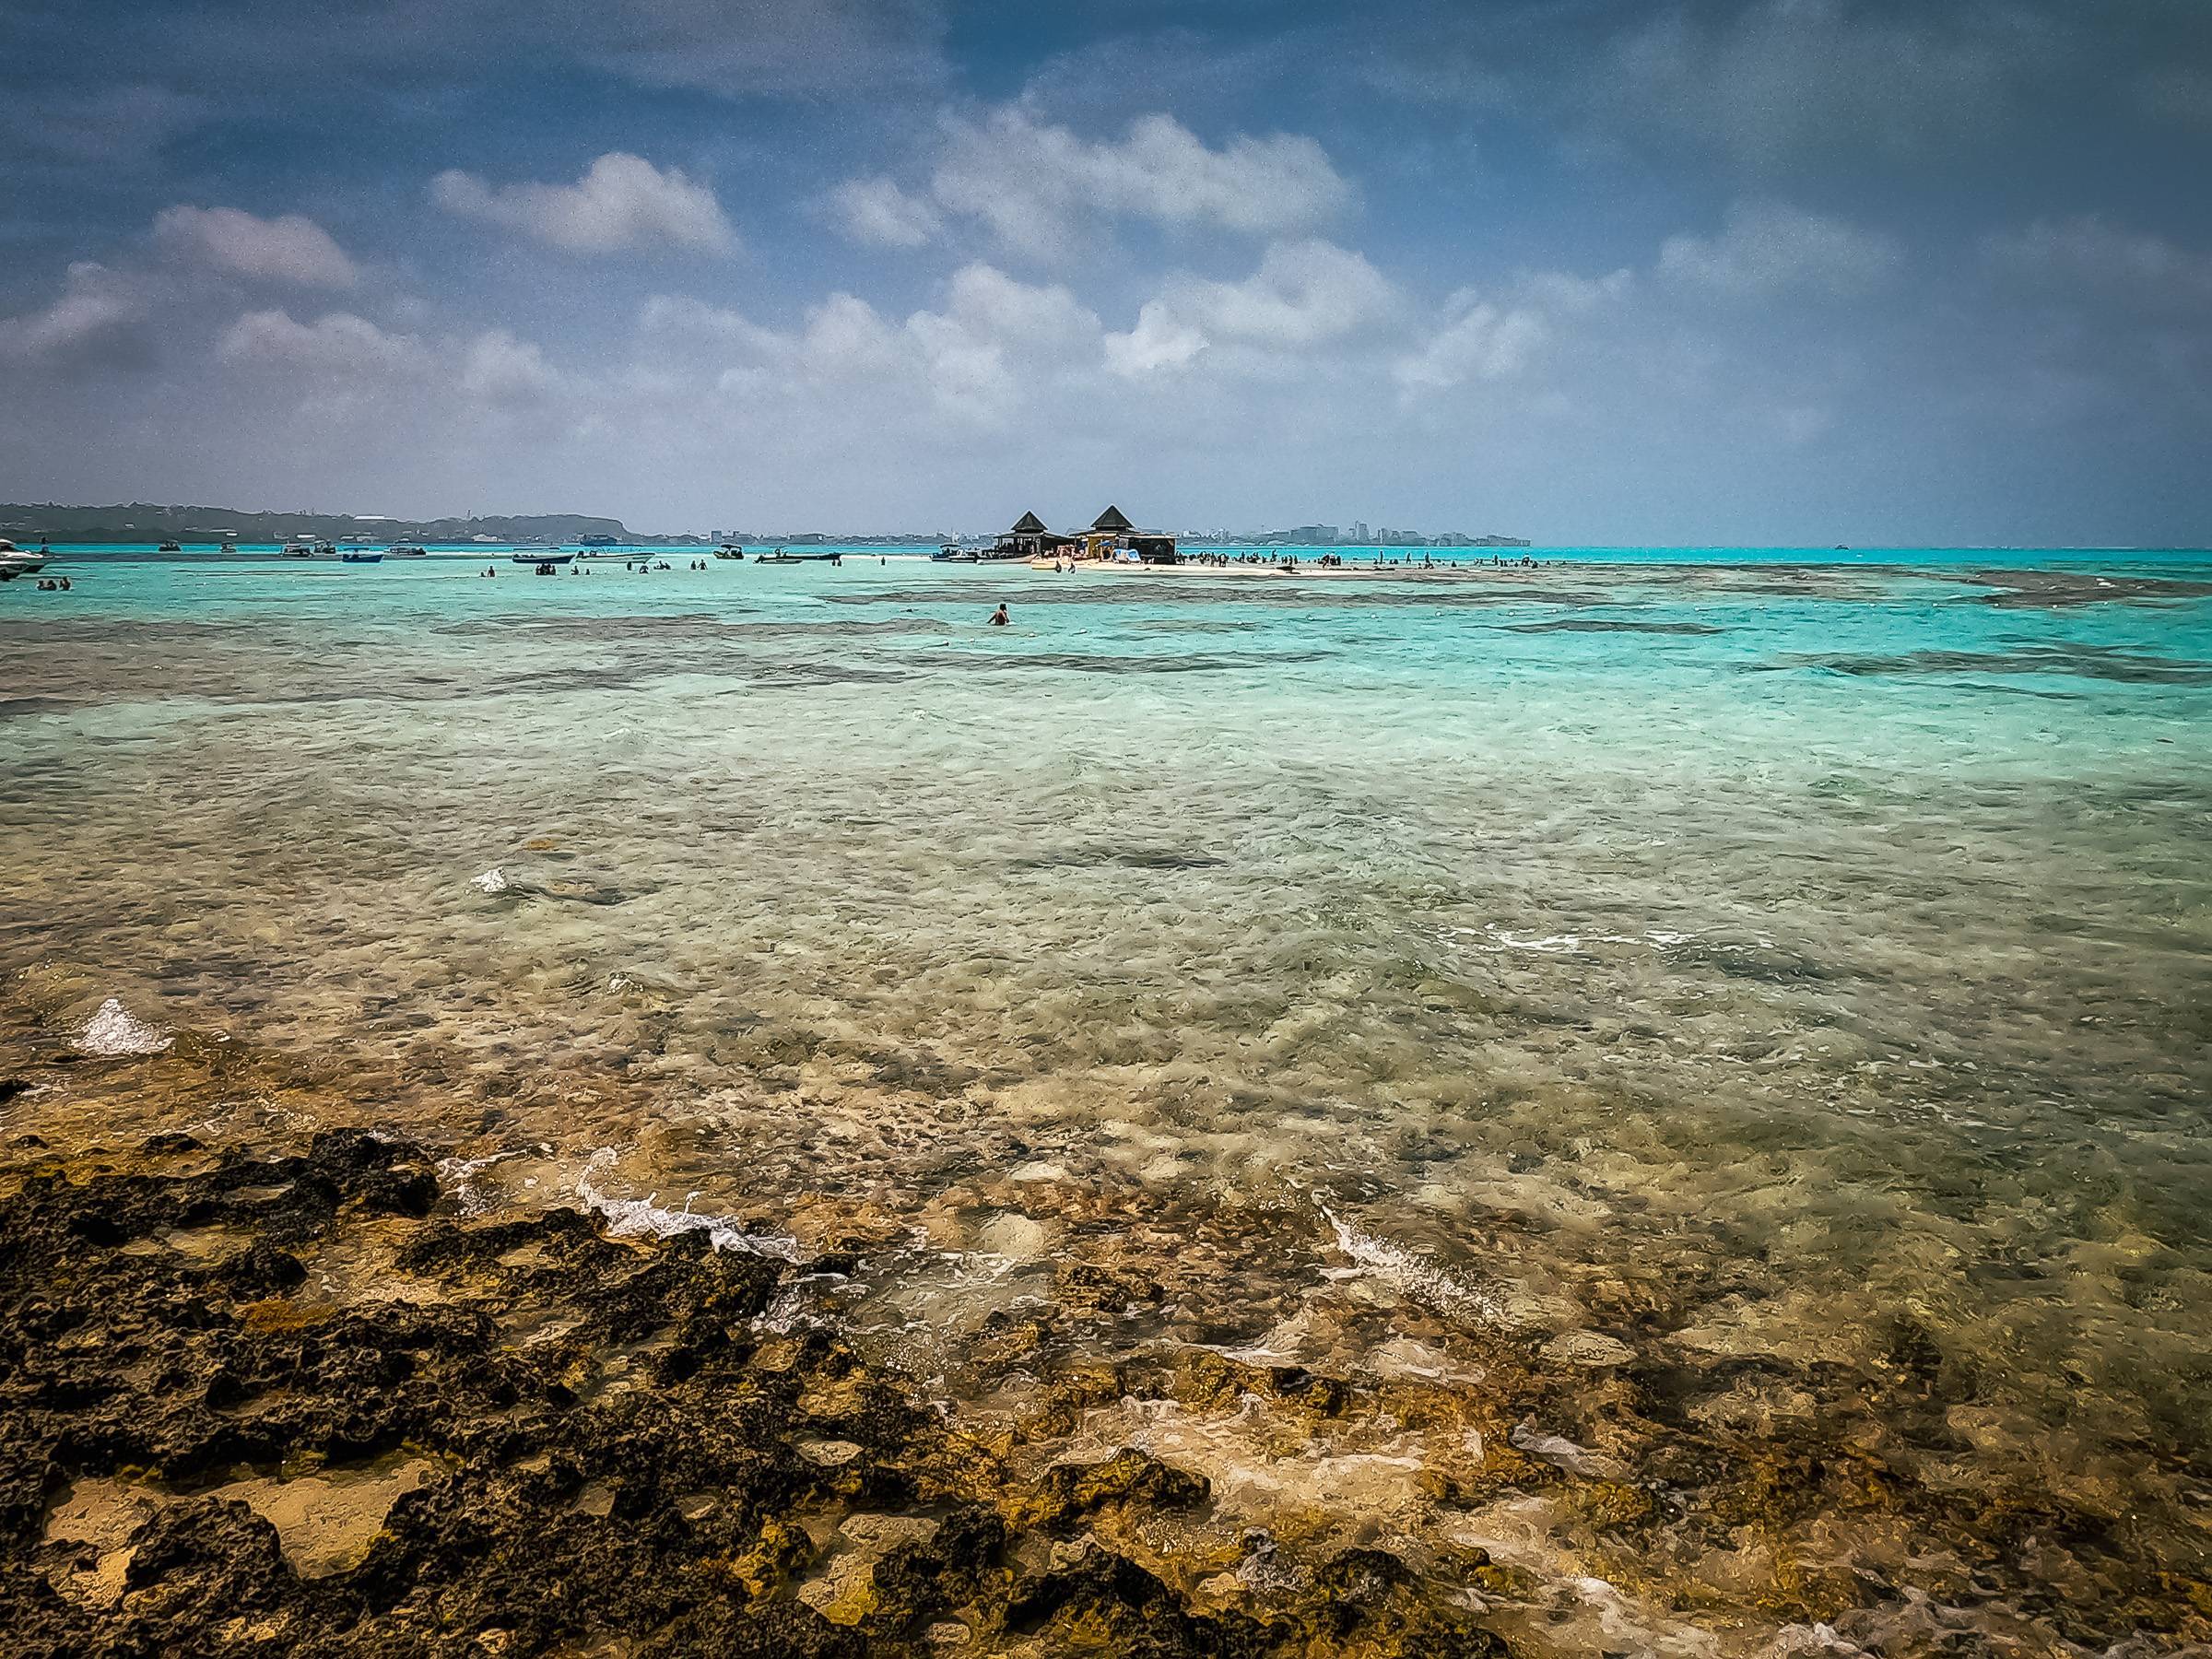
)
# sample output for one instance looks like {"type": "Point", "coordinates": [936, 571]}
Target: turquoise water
{"type": "Point", "coordinates": [1793, 967]}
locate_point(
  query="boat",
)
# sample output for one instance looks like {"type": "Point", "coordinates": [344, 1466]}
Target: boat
{"type": "Point", "coordinates": [169, 547]}
{"type": "Point", "coordinates": [780, 556]}
{"type": "Point", "coordinates": [14, 561]}
{"type": "Point", "coordinates": [541, 556]}
{"type": "Point", "coordinates": [405, 550]}
{"type": "Point", "coordinates": [952, 553]}
{"type": "Point", "coordinates": [598, 541]}
{"type": "Point", "coordinates": [737, 553]}
{"type": "Point", "coordinates": [360, 556]}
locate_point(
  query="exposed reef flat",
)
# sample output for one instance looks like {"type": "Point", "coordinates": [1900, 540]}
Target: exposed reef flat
{"type": "Point", "coordinates": [257, 1400]}
{"type": "Point", "coordinates": [277, 1404]}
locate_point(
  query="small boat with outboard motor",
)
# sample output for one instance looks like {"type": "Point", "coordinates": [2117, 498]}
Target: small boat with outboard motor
{"type": "Point", "coordinates": [405, 550]}
{"type": "Point", "coordinates": [729, 551]}
{"type": "Point", "coordinates": [544, 557]}
{"type": "Point", "coordinates": [15, 561]}
{"type": "Point", "coordinates": [360, 556]}
{"type": "Point", "coordinates": [780, 556]}
{"type": "Point", "coordinates": [169, 546]}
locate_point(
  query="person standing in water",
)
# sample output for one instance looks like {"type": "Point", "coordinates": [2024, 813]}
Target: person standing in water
{"type": "Point", "coordinates": [999, 618]}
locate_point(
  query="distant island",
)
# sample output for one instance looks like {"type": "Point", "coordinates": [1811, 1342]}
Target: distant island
{"type": "Point", "coordinates": [210, 526]}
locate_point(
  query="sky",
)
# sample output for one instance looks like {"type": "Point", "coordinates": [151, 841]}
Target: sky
{"type": "Point", "coordinates": [1776, 272]}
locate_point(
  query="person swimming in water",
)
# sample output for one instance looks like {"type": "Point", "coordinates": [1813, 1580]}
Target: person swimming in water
{"type": "Point", "coordinates": [999, 618]}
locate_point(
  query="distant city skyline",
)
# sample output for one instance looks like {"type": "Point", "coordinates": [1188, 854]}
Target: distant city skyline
{"type": "Point", "coordinates": [1723, 271]}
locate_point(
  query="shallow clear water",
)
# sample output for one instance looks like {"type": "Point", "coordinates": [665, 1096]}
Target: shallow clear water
{"type": "Point", "coordinates": [1794, 967]}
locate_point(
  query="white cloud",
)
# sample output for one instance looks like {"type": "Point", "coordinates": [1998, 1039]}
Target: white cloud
{"type": "Point", "coordinates": [1489, 338]}
{"type": "Point", "coordinates": [877, 212]}
{"type": "Point", "coordinates": [994, 344]}
{"type": "Point", "coordinates": [98, 318]}
{"type": "Point", "coordinates": [1036, 185]}
{"type": "Point", "coordinates": [500, 369]}
{"type": "Point", "coordinates": [1766, 247]}
{"type": "Point", "coordinates": [288, 249]}
{"type": "Point", "coordinates": [342, 362]}
{"type": "Point", "coordinates": [1483, 342]}
{"type": "Point", "coordinates": [338, 348]}
{"type": "Point", "coordinates": [1304, 294]}
{"type": "Point", "coordinates": [622, 201]}
{"type": "Point", "coordinates": [1157, 343]}
{"type": "Point", "coordinates": [2087, 253]}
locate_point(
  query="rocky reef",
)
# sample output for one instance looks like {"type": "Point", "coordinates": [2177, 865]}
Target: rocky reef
{"type": "Point", "coordinates": [255, 1402]}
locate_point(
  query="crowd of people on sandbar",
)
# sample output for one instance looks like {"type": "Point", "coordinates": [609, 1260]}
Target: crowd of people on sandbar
{"type": "Point", "coordinates": [1336, 561]}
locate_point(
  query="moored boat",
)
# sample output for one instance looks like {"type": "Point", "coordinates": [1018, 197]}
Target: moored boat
{"type": "Point", "coordinates": [542, 556]}
{"type": "Point", "coordinates": [360, 556]}
{"type": "Point", "coordinates": [169, 546]}
{"type": "Point", "coordinates": [405, 550]}
{"type": "Point", "coordinates": [780, 556]}
{"type": "Point", "coordinates": [14, 561]}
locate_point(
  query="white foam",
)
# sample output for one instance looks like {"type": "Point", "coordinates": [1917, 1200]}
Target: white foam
{"type": "Point", "coordinates": [629, 1217]}
{"type": "Point", "coordinates": [113, 1030]}
{"type": "Point", "coordinates": [460, 1175]}
{"type": "Point", "coordinates": [491, 881]}
{"type": "Point", "coordinates": [1414, 1274]}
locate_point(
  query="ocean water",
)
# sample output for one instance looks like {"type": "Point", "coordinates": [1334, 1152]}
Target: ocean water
{"type": "Point", "coordinates": [1760, 1001]}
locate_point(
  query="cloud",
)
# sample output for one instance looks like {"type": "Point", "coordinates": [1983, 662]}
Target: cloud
{"type": "Point", "coordinates": [1036, 185]}
{"type": "Point", "coordinates": [342, 362]}
{"type": "Point", "coordinates": [289, 249]}
{"type": "Point", "coordinates": [1304, 294]}
{"type": "Point", "coordinates": [97, 321]}
{"type": "Point", "coordinates": [622, 201]}
{"type": "Point", "coordinates": [1767, 248]}
{"type": "Point", "coordinates": [877, 212]}
{"type": "Point", "coordinates": [499, 369]}
{"type": "Point", "coordinates": [2086, 255]}
{"type": "Point", "coordinates": [1484, 342]}
{"type": "Point", "coordinates": [1159, 344]}
{"type": "Point", "coordinates": [987, 353]}
{"type": "Point", "coordinates": [339, 348]}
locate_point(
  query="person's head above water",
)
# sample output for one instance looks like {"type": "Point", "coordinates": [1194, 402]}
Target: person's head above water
{"type": "Point", "coordinates": [999, 618]}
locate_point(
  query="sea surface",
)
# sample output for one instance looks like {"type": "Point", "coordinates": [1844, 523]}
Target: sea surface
{"type": "Point", "coordinates": [1765, 994]}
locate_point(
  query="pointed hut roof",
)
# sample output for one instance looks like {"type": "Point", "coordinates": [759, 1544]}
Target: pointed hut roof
{"type": "Point", "coordinates": [1028, 523]}
{"type": "Point", "coordinates": [1111, 519]}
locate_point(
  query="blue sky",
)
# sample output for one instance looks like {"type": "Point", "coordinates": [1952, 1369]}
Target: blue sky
{"type": "Point", "coordinates": [1797, 271]}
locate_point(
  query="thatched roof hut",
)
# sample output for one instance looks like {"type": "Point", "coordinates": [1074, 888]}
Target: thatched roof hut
{"type": "Point", "coordinates": [1028, 523]}
{"type": "Point", "coordinates": [1112, 521]}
